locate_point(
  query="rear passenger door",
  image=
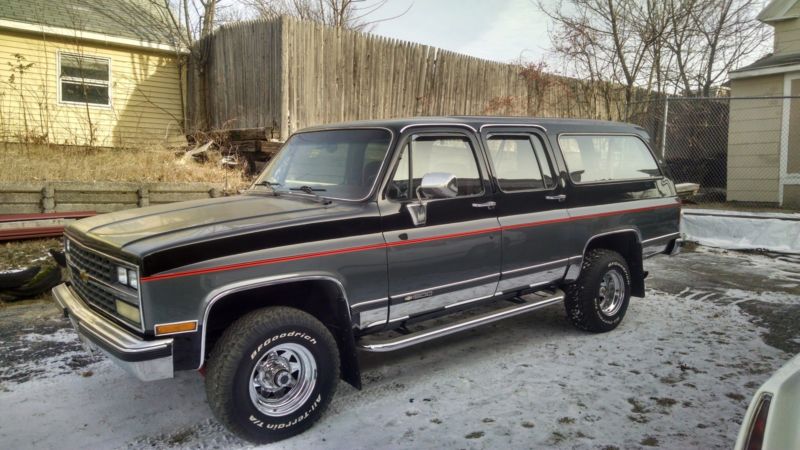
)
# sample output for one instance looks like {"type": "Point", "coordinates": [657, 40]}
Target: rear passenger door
{"type": "Point", "coordinates": [530, 208]}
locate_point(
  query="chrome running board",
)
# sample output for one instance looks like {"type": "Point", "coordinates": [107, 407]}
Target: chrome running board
{"type": "Point", "coordinates": [530, 303]}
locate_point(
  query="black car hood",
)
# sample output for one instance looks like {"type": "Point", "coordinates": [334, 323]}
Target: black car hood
{"type": "Point", "coordinates": [145, 231]}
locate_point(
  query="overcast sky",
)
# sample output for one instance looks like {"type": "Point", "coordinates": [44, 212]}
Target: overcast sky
{"type": "Point", "coordinates": [499, 30]}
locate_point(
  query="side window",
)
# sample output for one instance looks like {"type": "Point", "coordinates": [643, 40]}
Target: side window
{"type": "Point", "coordinates": [607, 158]}
{"type": "Point", "coordinates": [427, 154]}
{"type": "Point", "coordinates": [520, 163]}
{"type": "Point", "coordinates": [373, 158]}
{"type": "Point", "coordinates": [400, 185]}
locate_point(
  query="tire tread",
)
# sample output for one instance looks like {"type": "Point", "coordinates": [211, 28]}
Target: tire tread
{"type": "Point", "coordinates": [224, 361]}
{"type": "Point", "coordinates": [579, 307]}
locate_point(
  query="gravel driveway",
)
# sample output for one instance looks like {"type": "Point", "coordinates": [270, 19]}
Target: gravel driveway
{"type": "Point", "coordinates": [678, 373]}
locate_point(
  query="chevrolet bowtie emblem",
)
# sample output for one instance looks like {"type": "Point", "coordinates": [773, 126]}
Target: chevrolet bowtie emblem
{"type": "Point", "coordinates": [84, 275]}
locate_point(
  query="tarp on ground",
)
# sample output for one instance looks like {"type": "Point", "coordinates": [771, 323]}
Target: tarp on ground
{"type": "Point", "coordinates": [776, 232]}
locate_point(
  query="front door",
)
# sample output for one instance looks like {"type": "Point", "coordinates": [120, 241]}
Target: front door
{"type": "Point", "coordinates": [454, 257]}
{"type": "Point", "coordinates": [530, 208]}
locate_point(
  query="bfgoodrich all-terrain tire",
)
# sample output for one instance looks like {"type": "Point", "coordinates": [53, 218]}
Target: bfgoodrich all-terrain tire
{"type": "Point", "coordinates": [598, 300]}
{"type": "Point", "coordinates": [272, 374]}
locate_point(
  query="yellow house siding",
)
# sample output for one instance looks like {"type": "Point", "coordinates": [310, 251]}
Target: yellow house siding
{"type": "Point", "coordinates": [787, 33]}
{"type": "Point", "coordinates": [754, 137]}
{"type": "Point", "coordinates": [144, 90]}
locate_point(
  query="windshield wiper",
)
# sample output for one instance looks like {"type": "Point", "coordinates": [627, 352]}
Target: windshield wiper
{"type": "Point", "coordinates": [270, 184]}
{"type": "Point", "coordinates": [307, 189]}
{"type": "Point", "coordinates": [313, 192]}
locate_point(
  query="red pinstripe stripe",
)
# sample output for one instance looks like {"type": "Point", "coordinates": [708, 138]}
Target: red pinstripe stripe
{"type": "Point", "coordinates": [443, 236]}
{"type": "Point", "coordinates": [263, 262]}
{"type": "Point", "coordinates": [383, 245]}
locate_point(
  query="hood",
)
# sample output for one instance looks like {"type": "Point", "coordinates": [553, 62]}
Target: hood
{"type": "Point", "coordinates": [141, 231]}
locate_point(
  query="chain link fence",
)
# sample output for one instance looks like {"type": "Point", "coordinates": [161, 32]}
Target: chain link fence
{"type": "Point", "coordinates": [743, 152]}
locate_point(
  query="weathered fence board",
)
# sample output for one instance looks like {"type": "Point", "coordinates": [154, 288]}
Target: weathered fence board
{"type": "Point", "coordinates": [169, 197]}
{"type": "Point", "coordinates": [22, 198]}
{"type": "Point", "coordinates": [285, 74]}
{"type": "Point", "coordinates": [96, 197]}
{"type": "Point", "coordinates": [20, 208]}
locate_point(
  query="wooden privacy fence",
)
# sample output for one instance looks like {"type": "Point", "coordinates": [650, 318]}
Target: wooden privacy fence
{"type": "Point", "coordinates": [285, 74]}
{"type": "Point", "coordinates": [100, 197]}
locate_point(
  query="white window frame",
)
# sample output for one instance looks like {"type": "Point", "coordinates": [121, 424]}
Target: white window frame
{"type": "Point", "coordinates": [108, 84]}
{"type": "Point", "coordinates": [784, 177]}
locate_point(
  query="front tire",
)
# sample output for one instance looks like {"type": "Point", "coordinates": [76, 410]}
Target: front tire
{"type": "Point", "coordinates": [598, 300]}
{"type": "Point", "coordinates": [272, 374]}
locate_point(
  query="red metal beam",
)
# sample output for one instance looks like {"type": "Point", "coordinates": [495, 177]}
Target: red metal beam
{"type": "Point", "coordinates": [30, 233]}
{"type": "Point", "coordinates": [40, 225]}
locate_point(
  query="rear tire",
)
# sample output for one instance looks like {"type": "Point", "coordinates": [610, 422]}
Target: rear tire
{"type": "Point", "coordinates": [598, 300]}
{"type": "Point", "coordinates": [272, 374]}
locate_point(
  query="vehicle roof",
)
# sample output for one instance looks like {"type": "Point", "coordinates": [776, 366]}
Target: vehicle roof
{"type": "Point", "coordinates": [551, 125]}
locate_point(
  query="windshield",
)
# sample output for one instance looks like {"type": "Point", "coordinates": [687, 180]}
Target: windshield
{"type": "Point", "coordinates": [338, 164]}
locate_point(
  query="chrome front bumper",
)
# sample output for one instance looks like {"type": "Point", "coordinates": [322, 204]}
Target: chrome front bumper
{"type": "Point", "coordinates": [146, 360]}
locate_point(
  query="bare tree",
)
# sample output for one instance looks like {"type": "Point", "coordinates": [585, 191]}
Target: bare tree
{"type": "Point", "coordinates": [585, 56]}
{"type": "Point", "coordinates": [356, 15]}
{"type": "Point", "coordinates": [662, 46]}
{"type": "Point", "coordinates": [615, 39]}
{"type": "Point", "coordinates": [710, 38]}
{"type": "Point", "coordinates": [190, 23]}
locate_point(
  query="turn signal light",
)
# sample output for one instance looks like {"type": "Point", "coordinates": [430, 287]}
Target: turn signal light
{"type": "Point", "coordinates": [177, 327]}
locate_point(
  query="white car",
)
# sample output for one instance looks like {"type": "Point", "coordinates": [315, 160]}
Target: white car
{"type": "Point", "coordinates": [772, 421]}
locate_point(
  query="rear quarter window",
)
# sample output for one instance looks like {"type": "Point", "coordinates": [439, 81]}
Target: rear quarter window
{"type": "Point", "coordinates": [599, 158]}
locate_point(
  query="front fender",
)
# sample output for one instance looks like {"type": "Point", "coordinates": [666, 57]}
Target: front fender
{"type": "Point", "coordinates": [341, 325]}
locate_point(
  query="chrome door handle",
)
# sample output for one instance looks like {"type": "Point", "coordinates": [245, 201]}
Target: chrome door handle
{"type": "Point", "coordinates": [558, 198]}
{"type": "Point", "coordinates": [489, 205]}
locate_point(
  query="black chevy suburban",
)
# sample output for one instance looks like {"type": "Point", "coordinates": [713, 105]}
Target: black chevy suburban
{"type": "Point", "coordinates": [366, 227]}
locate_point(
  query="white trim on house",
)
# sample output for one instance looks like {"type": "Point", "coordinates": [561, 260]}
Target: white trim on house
{"type": "Point", "coordinates": [785, 178]}
{"type": "Point", "coordinates": [776, 11]}
{"type": "Point", "coordinates": [89, 36]}
{"type": "Point", "coordinates": [110, 83]}
{"type": "Point", "coordinates": [765, 71]}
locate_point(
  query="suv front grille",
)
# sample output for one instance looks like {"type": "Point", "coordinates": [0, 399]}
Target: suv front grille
{"type": "Point", "coordinates": [93, 277]}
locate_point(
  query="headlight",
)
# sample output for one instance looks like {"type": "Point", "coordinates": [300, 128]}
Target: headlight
{"type": "Point", "coordinates": [133, 280]}
{"type": "Point", "coordinates": [127, 277]}
{"type": "Point", "coordinates": [122, 275]}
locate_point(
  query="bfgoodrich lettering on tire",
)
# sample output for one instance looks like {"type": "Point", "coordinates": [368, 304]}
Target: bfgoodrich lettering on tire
{"type": "Point", "coordinates": [272, 374]}
{"type": "Point", "coordinates": [598, 300]}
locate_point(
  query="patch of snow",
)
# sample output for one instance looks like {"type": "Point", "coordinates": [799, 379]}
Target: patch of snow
{"type": "Point", "coordinates": [775, 298]}
{"type": "Point", "coordinates": [679, 370]}
{"type": "Point", "coordinates": [730, 230]}
{"type": "Point", "coordinates": [753, 214]}
{"type": "Point", "coordinates": [63, 335]}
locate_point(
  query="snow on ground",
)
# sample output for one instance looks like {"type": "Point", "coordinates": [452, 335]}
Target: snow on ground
{"type": "Point", "coordinates": [777, 232]}
{"type": "Point", "coordinates": [678, 373]}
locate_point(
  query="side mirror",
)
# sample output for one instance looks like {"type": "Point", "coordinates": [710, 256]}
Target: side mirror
{"type": "Point", "coordinates": [433, 185]}
{"type": "Point", "coordinates": [437, 185]}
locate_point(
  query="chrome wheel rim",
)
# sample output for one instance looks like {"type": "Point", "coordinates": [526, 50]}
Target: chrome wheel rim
{"type": "Point", "coordinates": [283, 379]}
{"type": "Point", "coordinates": [611, 293]}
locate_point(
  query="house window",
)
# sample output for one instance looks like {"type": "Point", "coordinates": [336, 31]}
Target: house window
{"type": "Point", "coordinates": [84, 79]}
